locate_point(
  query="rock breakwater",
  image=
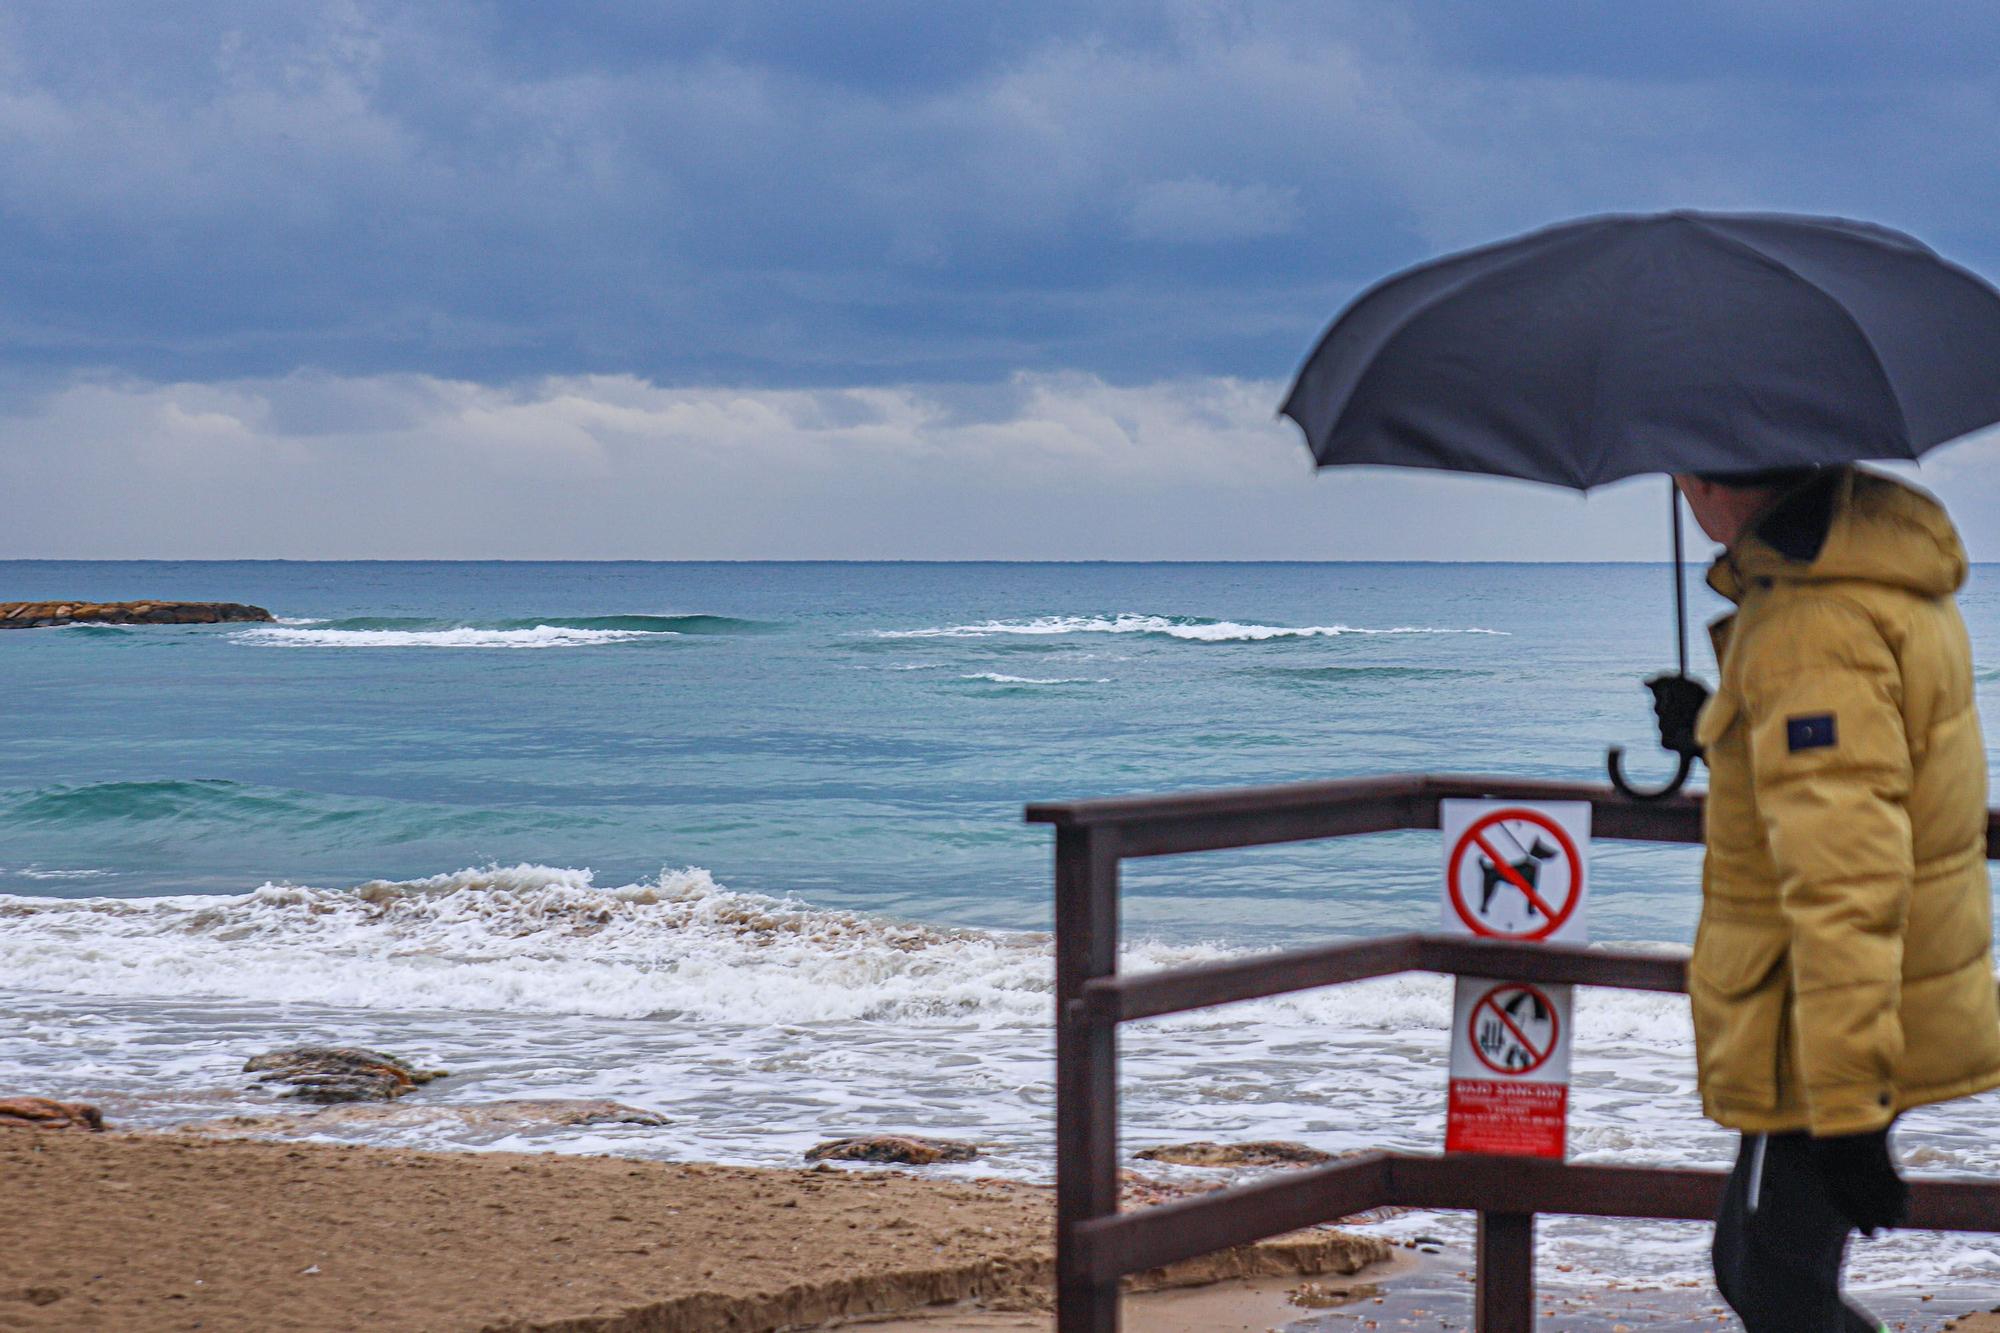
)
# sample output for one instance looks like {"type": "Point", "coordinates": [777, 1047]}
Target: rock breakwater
{"type": "Point", "coordinates": [41, 615]}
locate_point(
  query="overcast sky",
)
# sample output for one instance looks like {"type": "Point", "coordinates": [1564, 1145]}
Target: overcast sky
{"type": "Point", "coordinates": [877, 278]}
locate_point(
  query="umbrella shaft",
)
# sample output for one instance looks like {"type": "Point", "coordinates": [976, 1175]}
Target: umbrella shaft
{"type": "Point", "coordinates": [1680, 581]}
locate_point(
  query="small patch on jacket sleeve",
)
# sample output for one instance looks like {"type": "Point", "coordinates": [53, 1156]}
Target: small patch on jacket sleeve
{"type": "Point", "coordinates": [1810, 733]}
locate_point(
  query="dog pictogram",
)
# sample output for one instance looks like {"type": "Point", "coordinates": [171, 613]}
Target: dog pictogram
{"type": "Point", "coordinates": [1527, 870]}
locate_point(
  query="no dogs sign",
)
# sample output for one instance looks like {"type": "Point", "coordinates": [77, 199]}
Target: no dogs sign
{"type": "Point", "coordinates": [1512, 872]}
{"type": "Point", "coordinates": [1509, 1069]}
{"type": "Point", "coordinates": [1516, 872]}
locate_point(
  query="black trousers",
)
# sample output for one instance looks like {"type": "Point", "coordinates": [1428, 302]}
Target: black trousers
{"type": "Point", "coordinates": [1779, 1242]}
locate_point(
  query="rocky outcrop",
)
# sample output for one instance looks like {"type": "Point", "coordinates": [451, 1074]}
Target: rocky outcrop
{"type": "Point", "coordinates": [1270, 1152]}
{"type": "Point", "coordinates": [339, 1073]}
{"type": "Point", "coordinates": [1327, 1295]}
{"type": "Point", "coordinates": [34, 615]}
{"type": "Point", "coordinates": [902, 1149]}
{"type": "Point", "coordinates": [42, 1113]}
{"type": "Point", "coordinates": [1138, 1191]}
{"type": "Point", "coordinates": [502, 1116]}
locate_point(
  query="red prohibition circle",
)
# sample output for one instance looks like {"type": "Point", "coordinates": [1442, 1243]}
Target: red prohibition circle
{"type": "Point", "coordinates": [1541, 1057]}
{"type": "Point", "coordinates": [1550, 922]}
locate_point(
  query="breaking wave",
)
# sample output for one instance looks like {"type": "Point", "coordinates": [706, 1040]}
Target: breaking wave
{"type": "Point", "coordinates": [548, 940]}
{"type": "Point", "coordinates": [541, 636]}
{"type": "Point", "coordinates": [518, 632]}
{"type": "Point", "coordinates": [94, 629]}
{"type": "Point", "coordinates": [1193, 628]}
{"type": "Point", "coordinates": [525, 938]}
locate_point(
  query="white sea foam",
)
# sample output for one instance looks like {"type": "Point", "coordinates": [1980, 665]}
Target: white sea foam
{"type": "Point", "coordinates": [770, 1023]}
{"type": "Point", "coordinates": [537, 939]}
{"type": "Point", "coordinates": [997, 678]}
{"type": "Point", "coordinates": [532, 939]}
{"type": "Point", "coordinates": [1176, 627]}
{"type": "Point", "coordinates": [40, 873]}
{"type": "Point", "coordinates": [540, 636]}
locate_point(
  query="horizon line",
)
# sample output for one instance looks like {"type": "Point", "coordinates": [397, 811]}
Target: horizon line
{"type": "Point", "coordinates": [795, 560]}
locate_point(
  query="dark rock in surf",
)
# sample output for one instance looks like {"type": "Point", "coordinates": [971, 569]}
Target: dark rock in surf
{"type": "Point", "coordinates": [39, 615]}
{"type": "Point", "coordinates": [46, 1113]}
{"type": "Point", "coordinates": [902, 1149]}
{"type": "Point", "coordinates": [339, 1073]}
{"type": "Point", "coordinates": [1272, 1152]}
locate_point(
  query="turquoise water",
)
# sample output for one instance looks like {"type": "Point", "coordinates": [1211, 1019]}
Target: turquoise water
{"type": "Point", "coordinates": [862, 735]}
{"type": "Point", "coordinates": [743, 843]}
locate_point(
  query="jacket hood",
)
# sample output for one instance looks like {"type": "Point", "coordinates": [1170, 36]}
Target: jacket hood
{"type": "Point", "coordinates": [1877, 529]}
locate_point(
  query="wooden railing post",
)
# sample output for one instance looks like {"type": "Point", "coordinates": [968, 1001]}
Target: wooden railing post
{"type": "Point", "coordinates": [1504, 1301]}
{"type": "Point", "coordinates": [1086, 1071]}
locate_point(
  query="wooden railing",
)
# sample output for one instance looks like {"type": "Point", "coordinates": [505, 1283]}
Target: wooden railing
{"type": "Point", "coordinates": [1096, 1244]}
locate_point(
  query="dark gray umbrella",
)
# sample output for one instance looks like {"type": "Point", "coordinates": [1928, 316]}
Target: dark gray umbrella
{"type": "Point", "coordinates": [1674, 342]}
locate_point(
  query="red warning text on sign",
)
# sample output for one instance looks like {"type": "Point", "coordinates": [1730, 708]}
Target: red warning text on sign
{"type": "Point", "coordinates": [1500, 1116]}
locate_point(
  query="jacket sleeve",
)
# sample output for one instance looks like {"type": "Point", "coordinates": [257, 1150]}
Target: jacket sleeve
{"type": "Point", "coordinates": [1831, 770]}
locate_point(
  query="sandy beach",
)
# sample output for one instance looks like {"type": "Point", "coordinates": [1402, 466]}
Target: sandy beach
{"type": "Point", "coordinates": [162, 1233]}
{"type": "Point", "coordinates": [143, 1231]}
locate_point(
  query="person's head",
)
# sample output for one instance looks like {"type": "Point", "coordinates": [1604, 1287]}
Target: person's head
{"type": "Point", "coordinates": [1727, 506]}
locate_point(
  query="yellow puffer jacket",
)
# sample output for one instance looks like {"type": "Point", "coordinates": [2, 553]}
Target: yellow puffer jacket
{"type": "Point", "coordinates": [1842, 971]}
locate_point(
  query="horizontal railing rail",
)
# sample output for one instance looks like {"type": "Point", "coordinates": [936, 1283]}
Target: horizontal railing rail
{"type": "Point", "coordinates": [1121, 999]}
{"type": "Point", "coordinates": [1171, 1232]}
{"type": "Point", "coordinates": [1096, 1245]}
{"type": "Point", "coordinates": [1197, 821]}
{"type": "Point", "coordinates": [1200, 821]}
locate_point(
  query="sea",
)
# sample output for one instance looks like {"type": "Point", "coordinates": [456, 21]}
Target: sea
{"type": "Point", "coordinates": [743, 844]}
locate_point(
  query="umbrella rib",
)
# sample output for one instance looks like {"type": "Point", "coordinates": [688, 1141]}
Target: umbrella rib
{"type": "Point", "coordinates": [1616, 312]}
{"type": "Point", "coordinates": [1888, 385]}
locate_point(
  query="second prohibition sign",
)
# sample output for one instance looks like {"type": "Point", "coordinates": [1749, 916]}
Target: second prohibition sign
{"type": "Point", "coordinates": [1518, 1051]}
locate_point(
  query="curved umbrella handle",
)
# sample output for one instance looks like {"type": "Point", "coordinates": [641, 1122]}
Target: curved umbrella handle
{"type": "Point", "coordinates": [1614, 763]}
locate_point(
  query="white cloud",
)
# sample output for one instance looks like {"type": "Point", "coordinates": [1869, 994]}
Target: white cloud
{"type": "Point", "coordinates": [1062, 466]}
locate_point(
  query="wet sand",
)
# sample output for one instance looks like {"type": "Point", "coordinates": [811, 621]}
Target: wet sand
{"type": "Point", "coordinates": [163, 1233]}
{"type": "Point", "coordinates": [1237, 1305]}
{"type": "Point", "coordinates": [1436, 1295]}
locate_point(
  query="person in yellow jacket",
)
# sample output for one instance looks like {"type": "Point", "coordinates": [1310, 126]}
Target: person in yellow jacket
{"type": "Point", "coordinates": [1842, 972]}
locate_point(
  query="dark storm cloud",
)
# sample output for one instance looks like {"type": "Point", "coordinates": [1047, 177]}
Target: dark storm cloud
{"type": "Point", "coordinates": [851, 193]}
{"type": "Point", "coordinates": [895, 191]}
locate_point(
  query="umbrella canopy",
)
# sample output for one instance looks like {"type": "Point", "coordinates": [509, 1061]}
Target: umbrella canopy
{"type": "Point", "coordinates": [1713, 343]}
{"type": "Point", "coordinates": [1675, 342]}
